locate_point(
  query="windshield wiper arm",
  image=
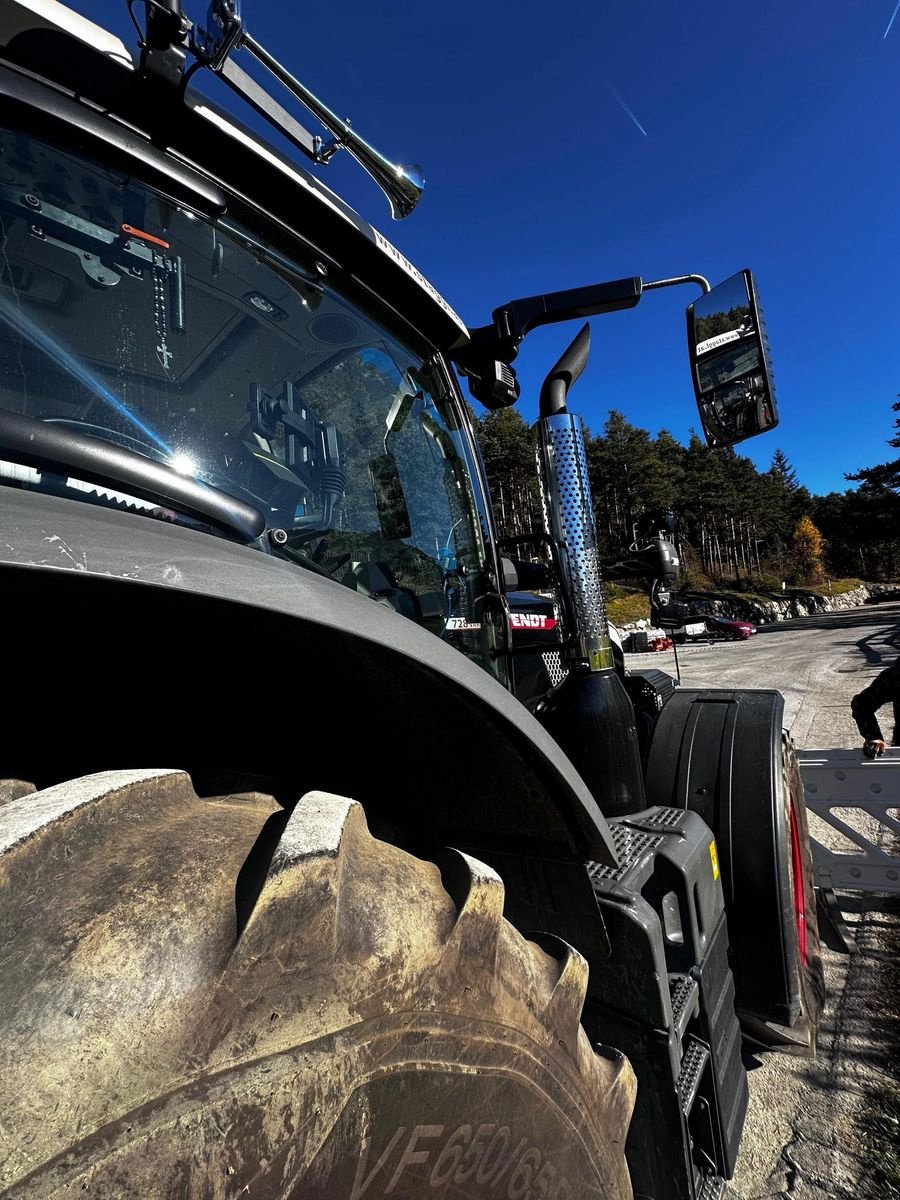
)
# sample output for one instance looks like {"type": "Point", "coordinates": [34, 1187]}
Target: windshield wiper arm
{"type": "Point", "coordinates": [49, 447]}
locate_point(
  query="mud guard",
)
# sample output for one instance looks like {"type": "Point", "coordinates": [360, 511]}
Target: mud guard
{"type": "Point", "coordinates": [723, 755]}
{"type": "Point", "coordinates": [238, 660]}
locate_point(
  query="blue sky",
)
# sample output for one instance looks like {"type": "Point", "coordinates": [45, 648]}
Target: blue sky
{"type": "Point", "coordinates": [763, 135]}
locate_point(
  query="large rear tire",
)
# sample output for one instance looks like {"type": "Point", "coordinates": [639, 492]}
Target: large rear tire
{"type": "Point", "coordinates": [210, 997]}
{"type": "Point", "coordinates": [724, 755]}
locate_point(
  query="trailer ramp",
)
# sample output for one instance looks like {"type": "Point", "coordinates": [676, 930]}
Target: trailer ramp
{"type": "Point", "coordinates": [841, 786]}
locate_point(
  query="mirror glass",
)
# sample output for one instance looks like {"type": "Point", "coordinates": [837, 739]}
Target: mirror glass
{"type": "Point", "coordinates": [730, 362]}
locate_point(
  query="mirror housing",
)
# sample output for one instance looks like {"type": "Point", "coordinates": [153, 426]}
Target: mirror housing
{"type": "Point", "coordinates": [492, 384]}
{"type": "Point", "coordinates": [671, 615]}
{"type": "Point", "coordinates": [730, 363]}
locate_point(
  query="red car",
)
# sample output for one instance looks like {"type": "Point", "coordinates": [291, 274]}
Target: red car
{"type": "Point", "coordinates": [732, 630]}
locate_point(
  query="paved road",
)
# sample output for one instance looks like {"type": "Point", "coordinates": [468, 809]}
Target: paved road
{"type": "Point", "coordinates": [810, 1132]}
{"type": "Point", "coordinates": [818, 663]}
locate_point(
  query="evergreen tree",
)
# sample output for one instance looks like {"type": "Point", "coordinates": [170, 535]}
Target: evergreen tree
{"type": "Point", "coordinates": [628, 477]}
{"type": "Point", "coordinates": [885, 475]}
{"type": "Point", "coordinates": [707, 499]}
{"type": "Point", "coordinates": [508, 452]}
{"type": "Point", "coordinates": [782, 468]}
{"type": "Point", "coordinates": [736, 524]}
{"type": "Point", "coordinates": [864, 526]}
{"type": "Point", "coordinates": [863, 531]}
{"type": "Point", "coordinates": [668, 480]}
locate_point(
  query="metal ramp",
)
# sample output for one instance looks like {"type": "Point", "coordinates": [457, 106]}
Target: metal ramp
{"type": "Point", "coordinates": [839, 786]}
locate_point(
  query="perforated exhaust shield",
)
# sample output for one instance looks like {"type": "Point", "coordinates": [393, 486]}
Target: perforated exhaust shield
{"type": "Point", "coordinates": [569, 521]}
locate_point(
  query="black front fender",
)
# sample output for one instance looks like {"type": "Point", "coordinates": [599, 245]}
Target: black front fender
{"type": "Point", "coordinates": [130, 642]}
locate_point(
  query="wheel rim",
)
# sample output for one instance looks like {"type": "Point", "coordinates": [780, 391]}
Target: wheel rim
{"type": "Point", "coordinates": [799, 889]}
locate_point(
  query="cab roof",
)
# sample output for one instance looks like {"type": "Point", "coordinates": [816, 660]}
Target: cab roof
{"type": "Point", "coordinates": [74, 55]}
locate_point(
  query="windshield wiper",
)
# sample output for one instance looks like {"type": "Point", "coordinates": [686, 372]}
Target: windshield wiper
{"type": "Point", "coordinates": [49, 447]}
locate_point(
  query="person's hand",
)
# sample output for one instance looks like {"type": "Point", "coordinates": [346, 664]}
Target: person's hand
{"type": "Point", "coordinates": [873, 749]}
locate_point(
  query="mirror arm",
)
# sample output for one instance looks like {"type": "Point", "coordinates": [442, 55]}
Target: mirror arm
{"type": "Point", "coordinates": [511, 322]}
{"type": "Point", "coordinates": [702, 283]}
{"type": "Point", "coordinates": [514, 320]}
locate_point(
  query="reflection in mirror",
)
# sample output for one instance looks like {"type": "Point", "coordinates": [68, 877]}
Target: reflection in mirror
{"type": "Point", "coordinates": [722, 315]}
{"type": "Point", "coordinates": [730, 362]}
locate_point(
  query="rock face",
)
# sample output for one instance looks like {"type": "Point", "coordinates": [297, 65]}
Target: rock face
{"type": "Point", "coordinates": [777, 607]}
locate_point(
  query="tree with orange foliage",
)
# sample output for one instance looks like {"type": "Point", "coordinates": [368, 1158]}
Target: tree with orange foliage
{"type": "Point", "coordinates": [807, 552]}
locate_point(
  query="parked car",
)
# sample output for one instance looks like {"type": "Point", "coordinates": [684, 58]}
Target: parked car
{"type": "Point", "coordinates": [702, 627]}
{"type": "Point", "coordinates": [726, 627]}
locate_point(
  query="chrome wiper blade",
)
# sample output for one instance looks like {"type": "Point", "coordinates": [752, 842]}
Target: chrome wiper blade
{"type": "Point", "coordinates": [56, 448]}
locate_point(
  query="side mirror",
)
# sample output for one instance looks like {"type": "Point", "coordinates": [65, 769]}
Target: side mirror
{"type": "Point", "coordinates": [730, 364]}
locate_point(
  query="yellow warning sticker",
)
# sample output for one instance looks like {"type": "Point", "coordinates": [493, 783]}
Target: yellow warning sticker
{"type": "Point", "coordinates": [714, 859]}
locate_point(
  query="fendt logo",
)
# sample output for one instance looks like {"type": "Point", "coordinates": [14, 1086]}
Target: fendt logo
{"type": "Point", "coordinates": [531, 621]}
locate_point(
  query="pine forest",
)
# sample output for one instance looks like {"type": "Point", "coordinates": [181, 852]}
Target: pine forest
{"type": "Point", "coordinates": [737, 526]}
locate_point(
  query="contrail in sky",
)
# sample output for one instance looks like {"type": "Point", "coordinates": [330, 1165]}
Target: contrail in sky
{"type": "Point", "coordinates": [625, 107]}
{"type": "Point", "coordinates": [891, 21]}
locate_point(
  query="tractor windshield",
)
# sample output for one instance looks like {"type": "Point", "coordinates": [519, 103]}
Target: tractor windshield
{"type": "Point", "coordinates": [129, 320]}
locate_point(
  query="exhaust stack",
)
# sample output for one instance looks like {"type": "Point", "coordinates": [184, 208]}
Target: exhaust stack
{"type": "Point", "coordinates": [589, 713]}
{"type": "Point", "coordinates": [569, 513]}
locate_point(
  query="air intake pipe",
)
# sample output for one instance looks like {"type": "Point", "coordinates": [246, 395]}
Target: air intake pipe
{"type": "Point", "coordinates": [589, 713]}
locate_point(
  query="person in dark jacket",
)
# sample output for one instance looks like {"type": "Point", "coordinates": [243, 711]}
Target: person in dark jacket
{"type": "Point", "coordinates": [883, 688]}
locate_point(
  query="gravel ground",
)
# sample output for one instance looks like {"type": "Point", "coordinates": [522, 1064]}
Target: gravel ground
{"type": "Point", "coordinates": [827, 1129]}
